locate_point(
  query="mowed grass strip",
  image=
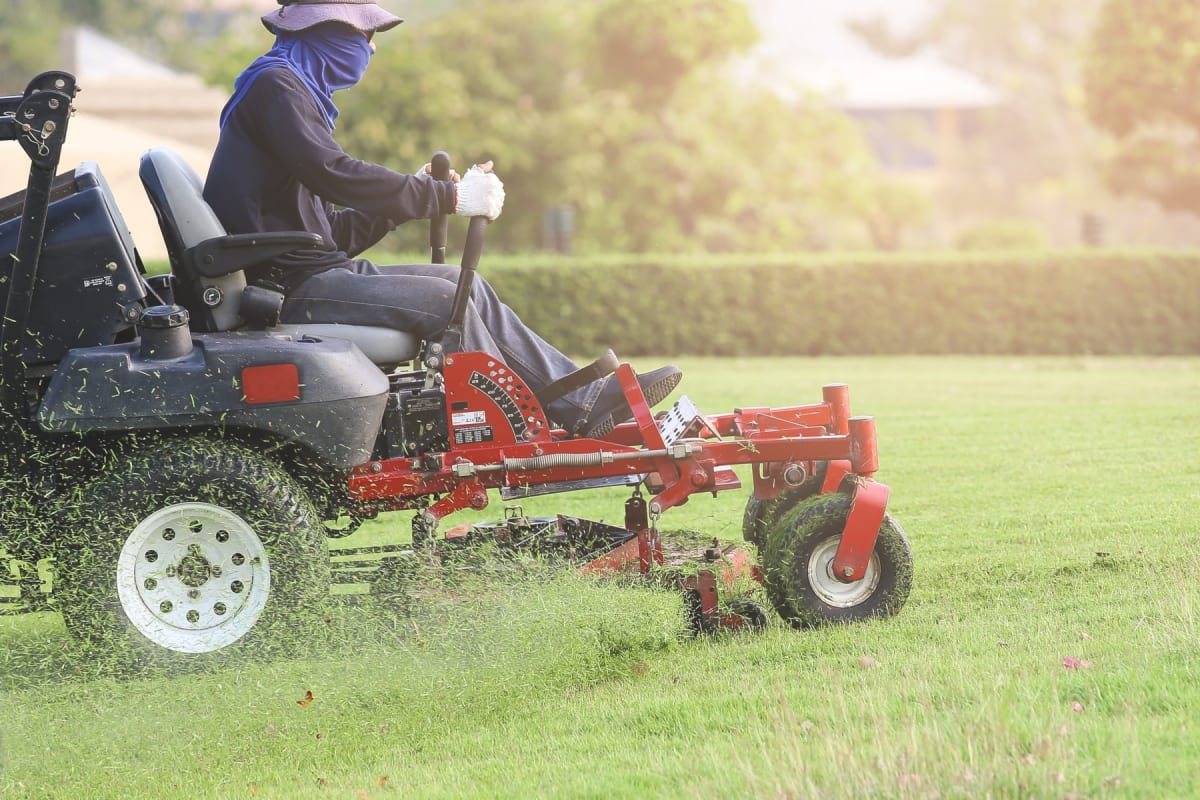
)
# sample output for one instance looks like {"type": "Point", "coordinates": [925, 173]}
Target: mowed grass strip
{"type": "Point", "coordinates": [1049, 647]}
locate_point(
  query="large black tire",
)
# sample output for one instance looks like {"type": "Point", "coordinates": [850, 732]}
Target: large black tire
{"type": "Point", "coordinates": [797, 552]}
{"type": "Point", "coordinates": [761, 514]}
{"type": "Point", "coordinates": [188, 547]}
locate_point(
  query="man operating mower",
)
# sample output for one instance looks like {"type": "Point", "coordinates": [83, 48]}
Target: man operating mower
{"type": "Point", "coordinates": [277, 167]}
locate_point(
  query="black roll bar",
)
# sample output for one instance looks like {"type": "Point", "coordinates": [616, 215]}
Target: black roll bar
{"type": "Point", "coordinates": [37, 120]}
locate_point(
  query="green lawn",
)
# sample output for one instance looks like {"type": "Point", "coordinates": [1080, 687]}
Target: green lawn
{"type": "Point", "coordinates": [1052, 507]}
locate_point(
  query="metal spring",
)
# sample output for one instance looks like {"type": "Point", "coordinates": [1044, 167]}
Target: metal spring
{"type": "Point", "coordinates": [556, 460]}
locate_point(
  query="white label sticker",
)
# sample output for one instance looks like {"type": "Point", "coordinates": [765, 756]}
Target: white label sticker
{"type": "Point", "coordinates": [469, 418]}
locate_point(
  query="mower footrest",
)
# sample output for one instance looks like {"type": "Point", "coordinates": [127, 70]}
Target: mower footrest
{"type": "Point", "coordinates": [684, 420]}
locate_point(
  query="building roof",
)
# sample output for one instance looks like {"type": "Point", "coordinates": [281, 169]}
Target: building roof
{"type": "Point", "coordinates": [92, 56]}
{"type": "Point", "coordinates": [809, 47]}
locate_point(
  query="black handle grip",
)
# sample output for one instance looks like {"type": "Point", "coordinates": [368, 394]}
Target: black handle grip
{"type": "Point", "coordinates": [440, 167]}
{"type": "Point", "coordinates": [440, 164]}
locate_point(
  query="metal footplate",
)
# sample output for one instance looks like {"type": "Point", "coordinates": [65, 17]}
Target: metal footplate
{"type": "Point", "coordinates": [683, 421]}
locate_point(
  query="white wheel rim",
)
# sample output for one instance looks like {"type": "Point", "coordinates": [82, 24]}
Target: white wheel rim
{"type": "Point", "coordinates": [826, 585]}
{"type": "Point", "coordinates": [193, 577]}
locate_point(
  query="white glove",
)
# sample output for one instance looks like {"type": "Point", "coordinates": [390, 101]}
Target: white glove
{"type": "Point", "coordinates": [480, 194]}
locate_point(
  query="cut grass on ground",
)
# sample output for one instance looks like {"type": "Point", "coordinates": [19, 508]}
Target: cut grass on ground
{"type": "Point", "coordinates": [1049, 647]}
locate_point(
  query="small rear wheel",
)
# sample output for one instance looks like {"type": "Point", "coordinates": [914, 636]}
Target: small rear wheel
{"type": "Point", "coordinates": [760, 514]}
{"type": "Point", "coordinates": [189, 547]}
{"type": "Point", "coordinates": [797, 554]}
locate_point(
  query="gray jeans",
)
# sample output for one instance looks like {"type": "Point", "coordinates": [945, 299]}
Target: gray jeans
{"type": "Point", "coordinates": [417, 298]}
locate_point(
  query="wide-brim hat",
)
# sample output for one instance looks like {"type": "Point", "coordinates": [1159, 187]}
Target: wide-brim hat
{"type": "Point", "coordinates": [296, 15]}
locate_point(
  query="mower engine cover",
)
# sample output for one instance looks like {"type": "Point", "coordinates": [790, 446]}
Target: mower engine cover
{"type": "Point", "coordinates": [88, 282]}
{"type": "Point", "coordinates": [323, 394]}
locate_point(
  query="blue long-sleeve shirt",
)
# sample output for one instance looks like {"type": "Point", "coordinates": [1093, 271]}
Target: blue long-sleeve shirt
{"type": "Point", "coordinates": [277, 167]}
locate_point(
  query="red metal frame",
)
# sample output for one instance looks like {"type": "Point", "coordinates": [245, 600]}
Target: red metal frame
{"type": "Point", "coordinates": [862, 529]}
{"type": "Point", "coordinates": [503, 439]}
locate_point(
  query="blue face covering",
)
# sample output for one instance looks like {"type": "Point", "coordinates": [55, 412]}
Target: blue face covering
{"type": "Point", "coordinates": [326, 58]}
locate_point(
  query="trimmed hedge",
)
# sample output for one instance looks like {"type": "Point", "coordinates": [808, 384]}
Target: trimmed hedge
{"type": "Point", "coordinates": [1054, 303]}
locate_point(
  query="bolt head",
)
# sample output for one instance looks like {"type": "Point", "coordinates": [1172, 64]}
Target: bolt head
{"type": "Point", "coordinates": [794, 475]}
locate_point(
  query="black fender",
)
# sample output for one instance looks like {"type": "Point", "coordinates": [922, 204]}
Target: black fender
{"type": "Point", "coordinates": [323, 394]}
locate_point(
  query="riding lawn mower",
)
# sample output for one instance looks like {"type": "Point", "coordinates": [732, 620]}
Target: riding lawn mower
{"type": "Point", "coordinates": [176, 461]}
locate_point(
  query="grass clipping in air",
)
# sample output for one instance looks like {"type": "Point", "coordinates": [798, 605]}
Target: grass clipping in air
{"type": "Point", "coordinates": [538, 625]}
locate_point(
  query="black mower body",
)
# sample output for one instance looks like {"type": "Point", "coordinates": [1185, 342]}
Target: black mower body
{"type": "Point", "coordinates": [325, 395]}
{"type": "Point", "coordinates": [88, 291]}
{"type": "Point", "coordinates": [93, 351]}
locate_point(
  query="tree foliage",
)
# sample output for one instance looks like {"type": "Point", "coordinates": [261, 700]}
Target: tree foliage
{"type": "Point", "coordinates": [651, 45]}
{"type": "Point", "coordinates": [31, 31]}
{"type": "Point", "coordinates": [620, 116]}
{"type": "Point", "coordinates": [621, 112]}
{"type": "Point", "coordinates": [27, 44]}
{"type": "Point", "coordinates": [1143, 86]}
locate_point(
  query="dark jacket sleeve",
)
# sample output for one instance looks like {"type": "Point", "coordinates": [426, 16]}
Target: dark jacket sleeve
{"type": "Point", "coordinates": [301, 139]}
{"type": "Point", "coordinates": [354, 231]}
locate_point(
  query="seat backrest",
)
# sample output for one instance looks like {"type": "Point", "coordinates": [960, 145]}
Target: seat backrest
{"type": "Point", "coordinates": [185, 219]}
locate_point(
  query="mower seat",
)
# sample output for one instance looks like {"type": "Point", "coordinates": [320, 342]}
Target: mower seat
{"type": "Point", "coordinates": [208, 262]}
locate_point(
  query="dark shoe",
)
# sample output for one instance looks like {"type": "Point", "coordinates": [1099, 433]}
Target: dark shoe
{"type": "Point", "coordinates": [611, 409]}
